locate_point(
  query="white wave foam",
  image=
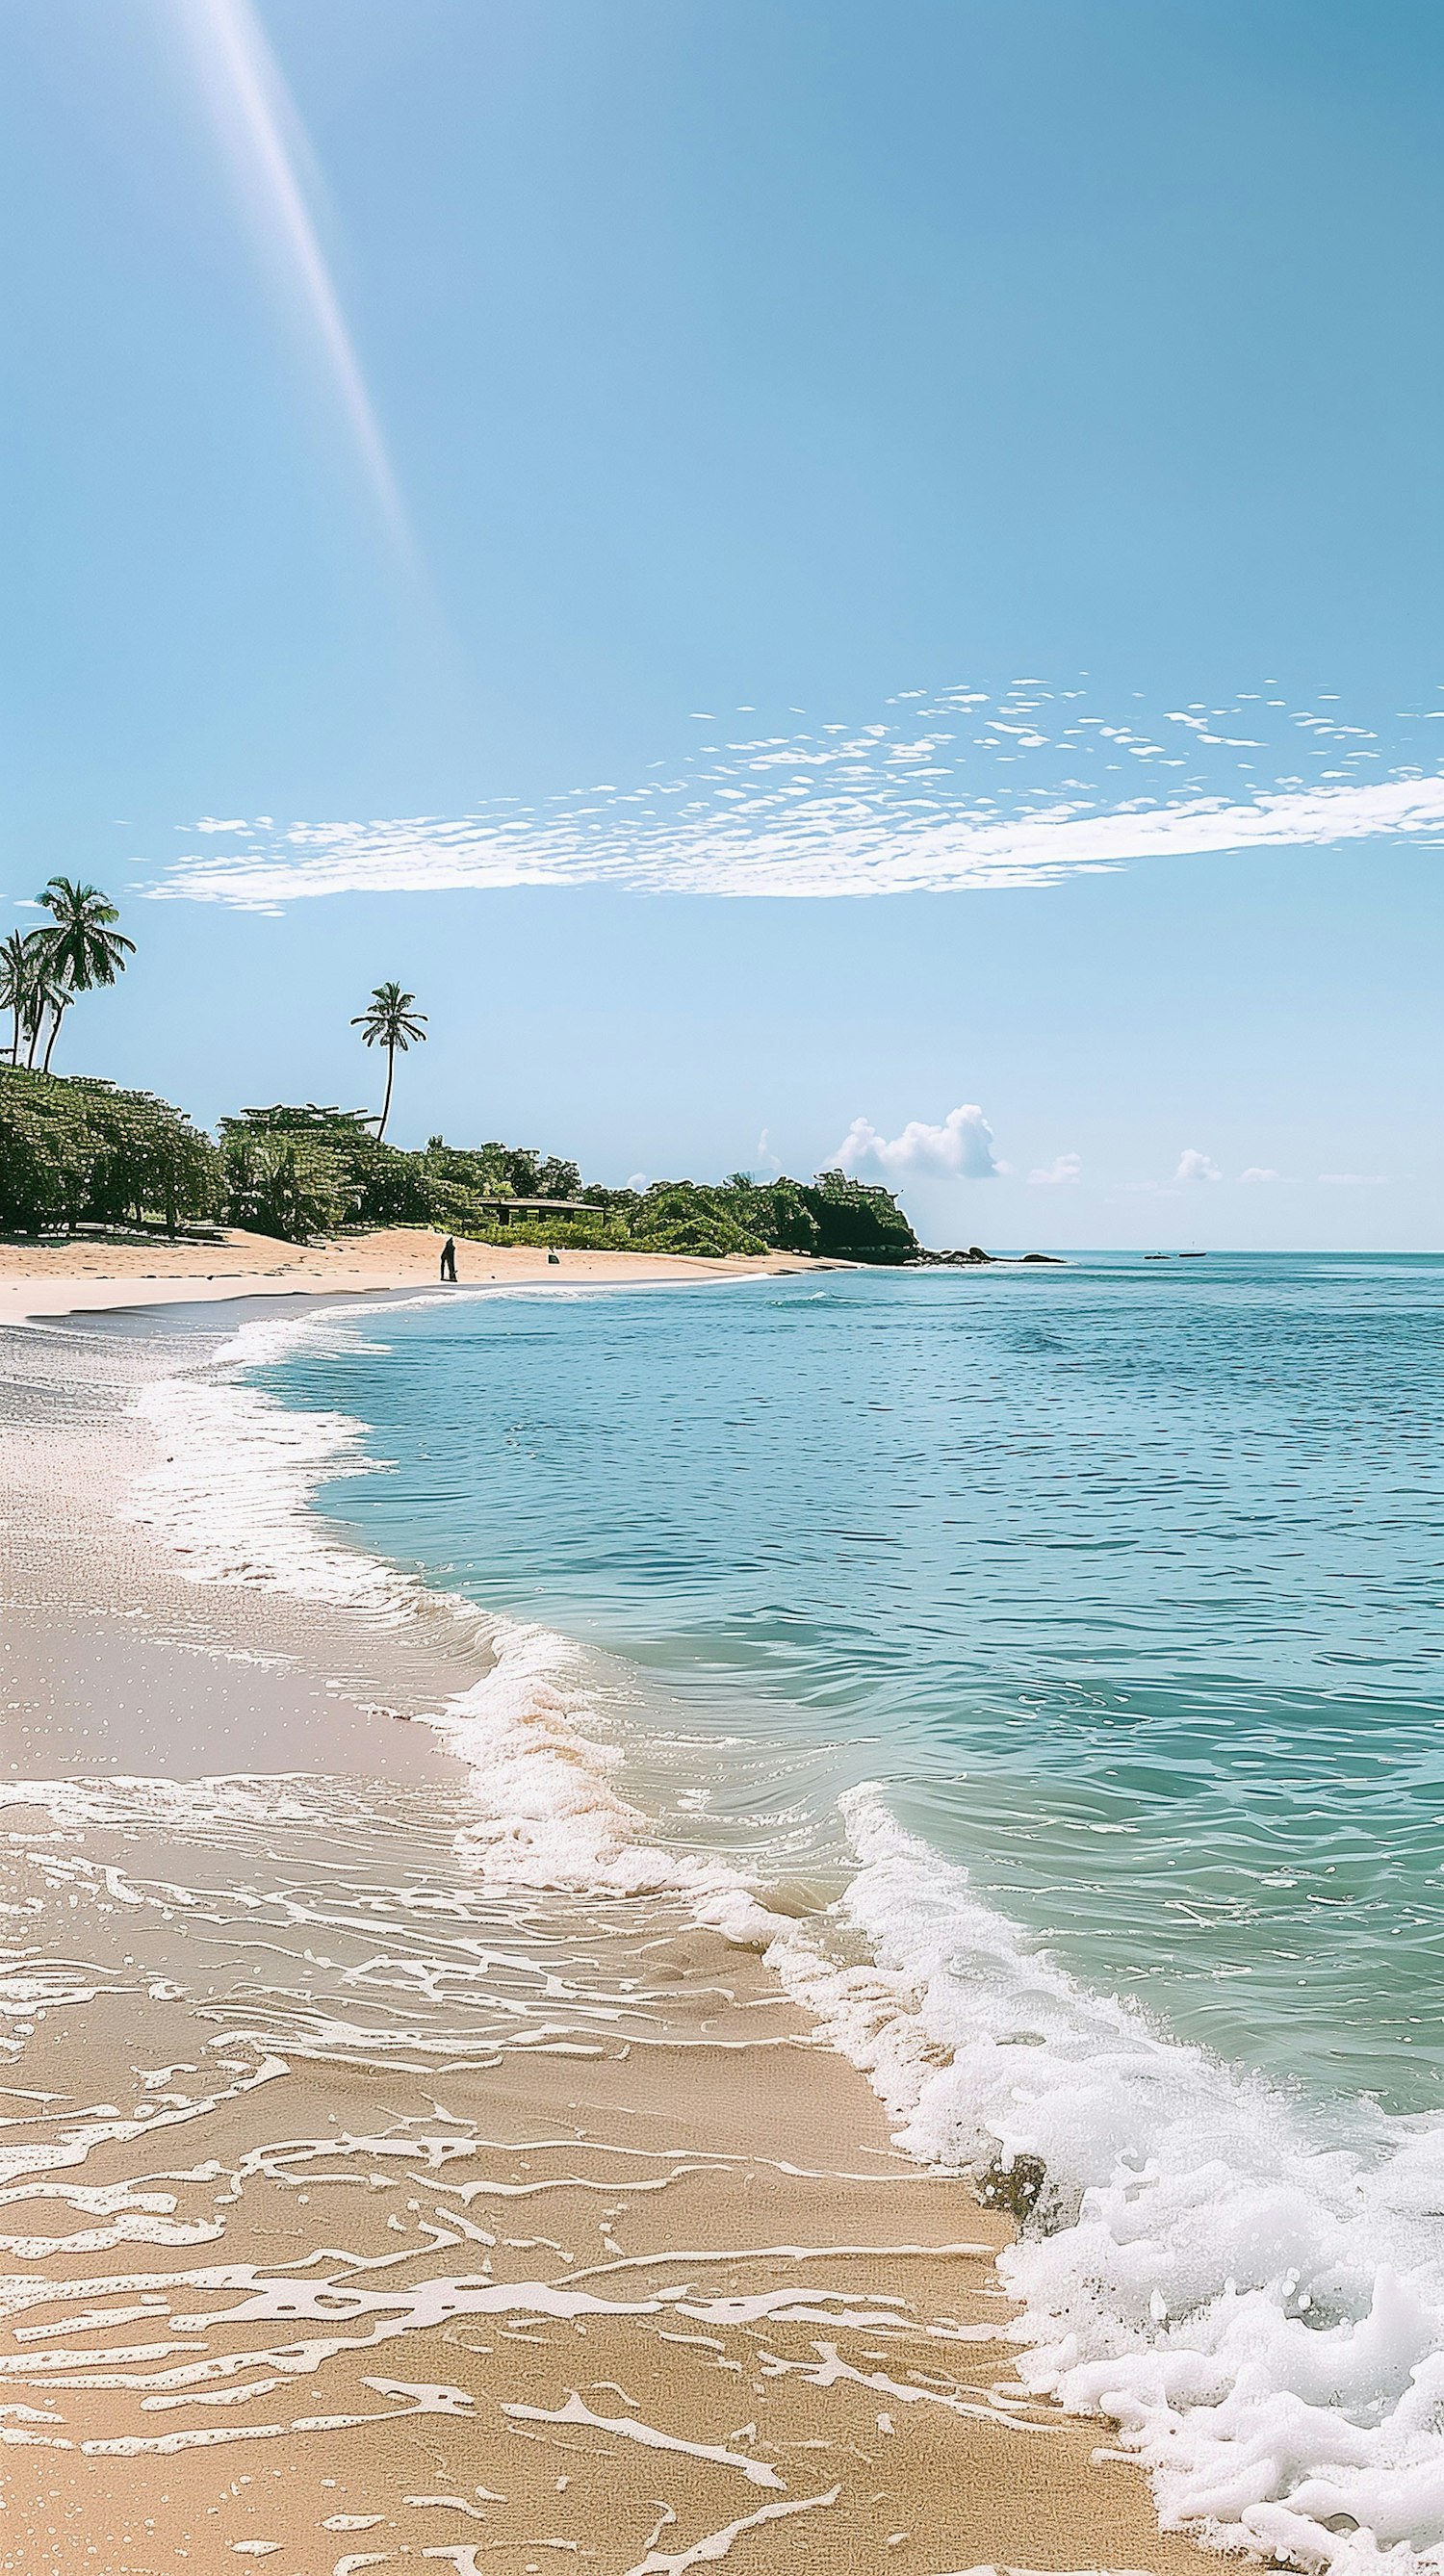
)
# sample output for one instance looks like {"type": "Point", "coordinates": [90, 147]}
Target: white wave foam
{"type": "Point", "coordinates": [546, 1812]}
{"type": "Point", "coordinates": [234, 1495]}
{"type": "Point", "coordinates": [1260, 2307]}
{"type": "Point", "coordinates": [233, 1491]}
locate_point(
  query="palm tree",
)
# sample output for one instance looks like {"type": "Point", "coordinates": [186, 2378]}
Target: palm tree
{"type": "Point", "coordinates": [42, 990]}
{"type": "Point", "coordinates": [19, 960]}
{"type": "Point", "coordinates": [390, 1022]}
{"type": "Point", "coordinates": [84, 948]}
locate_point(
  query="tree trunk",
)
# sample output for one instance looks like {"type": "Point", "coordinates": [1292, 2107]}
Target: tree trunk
{"type": "Point", "coordinates": [386, 1103]}
{"type": "Point", "coordinates": [60, 1011]}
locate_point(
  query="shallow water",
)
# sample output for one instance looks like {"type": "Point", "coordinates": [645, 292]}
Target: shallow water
{"type": "Point", "coordinates": [1123, 1581]}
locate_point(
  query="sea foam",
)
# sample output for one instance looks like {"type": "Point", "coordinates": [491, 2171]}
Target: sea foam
{"type": "Point", "coordinates": [1258, 2305]}
{"type": "Point", "coordinates": [234, 1495]}
{"type": "Point", "coordinates": [1256, 2300]}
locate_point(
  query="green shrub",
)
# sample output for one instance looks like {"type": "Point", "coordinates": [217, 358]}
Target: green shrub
{"type": "Point", "coordinates": [299, 1172]}
{"type": "Point", "coordinates": [501, 1171]}
{"type": "Point", "coordinates": [681, 1216]}
{"type": "Point", "coordinates": [77, 1151]}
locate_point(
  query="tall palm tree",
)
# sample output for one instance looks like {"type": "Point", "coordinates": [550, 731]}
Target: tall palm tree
{"type": "Point", "coordinates": [391, 1022]}
{"type": "Point", "coordinates": [85, 949]}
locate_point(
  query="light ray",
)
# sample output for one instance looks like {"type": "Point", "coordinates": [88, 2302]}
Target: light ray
{"type": "Point", "coordinates": [265, 145]}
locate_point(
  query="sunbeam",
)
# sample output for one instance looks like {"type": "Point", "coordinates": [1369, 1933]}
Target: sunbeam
{"type": "Point", "coordinates": [264, 141]}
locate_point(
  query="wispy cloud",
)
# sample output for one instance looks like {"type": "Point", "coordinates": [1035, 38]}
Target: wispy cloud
{"type": "Point", "coordinates": [953, 791]}
{"type": "Point", "coordinates": [1062, 1169]}
{"type": "Point", "coordinates": [266, 148]}
{"type": "Point", "coordinates": [961, 1149]}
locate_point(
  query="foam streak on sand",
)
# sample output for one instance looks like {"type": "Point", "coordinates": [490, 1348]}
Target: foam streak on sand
{"type": "Point", "coordinates": [707, 2552]}
{"type": "Point", "coordinates": [1258, 2304]}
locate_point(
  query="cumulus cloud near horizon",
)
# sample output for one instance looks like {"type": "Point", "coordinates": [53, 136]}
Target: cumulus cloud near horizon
{"type": "Point", "coordinates": [956, 792]}
{"type": "Point", "coordinates": [1195, 1166]}
{"type": "Point", "coordinates": [1063, 1168]}
{"type": "Point", "coordinates": [960, 1149]}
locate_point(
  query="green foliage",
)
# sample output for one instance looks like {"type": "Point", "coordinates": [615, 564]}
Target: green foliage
{"type": "Point", "coordinates": [502, 1171]}
{"type": "Point", "coordinates": [857, 1220]}
{"type": "Point", "coordinates": [833, 1216]}
{"type": "Point", "coordinates": [78, 1151]}
{"type": "Point", "coordinates": [303, 1119]}
{"type": "Point", "coordinates": [286, 1186]}
{"type": "Point", "coordinates": [300, 1172]}
{"type": "Point", "coordinates": [846, 1219]}
{"type": "Point", "coordinates": [562, 1233]}
{"type": "Point", "coordinates": [681, 1216]}
{"type": "Point", "coordinates": [83, 949]}
{"type": "Point", "coordinates": [86, 949]}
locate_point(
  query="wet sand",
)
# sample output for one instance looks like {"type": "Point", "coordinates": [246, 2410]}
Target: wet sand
{"type": "Point", "coordinates": [357, 2207]}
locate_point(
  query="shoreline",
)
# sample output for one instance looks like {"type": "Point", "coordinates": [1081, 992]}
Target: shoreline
{"type": "Point", "coordinates": [53, 1279]}
{"type": "Point", "coordinates": [885, 2425]}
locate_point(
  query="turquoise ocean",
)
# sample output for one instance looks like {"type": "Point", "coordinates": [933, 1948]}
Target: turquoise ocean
{"type": "Point", "coordinates": [1125, 1581]}
{"type": "Point", "coordinates": [1065, 1644]}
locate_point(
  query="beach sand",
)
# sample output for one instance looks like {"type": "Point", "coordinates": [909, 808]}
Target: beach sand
{"type": "Point", "coordinates": [53, 1277]}
{"type": "Point", "coordinates": [359, 2207]}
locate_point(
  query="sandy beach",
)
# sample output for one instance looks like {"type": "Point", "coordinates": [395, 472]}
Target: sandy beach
{"type": "Point", "coordinates": [57, 1276]}
{"type": "Point", "coordinates": [361, 2203]}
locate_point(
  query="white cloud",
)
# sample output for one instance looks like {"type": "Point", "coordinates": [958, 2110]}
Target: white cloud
{"type": "Point", "coordinates": [737, 828]}
{"type": "Point", "coordinates": [1064, 1167]}
{"type": "Point", "coordinates": [1194, 1166]}
{"type": "Point", "coordinates": [1255, 1172]}
{"type": "Point", "coordinates": [960, 1150]}
{"type": "Point", "coordinates": [1354, 1180]}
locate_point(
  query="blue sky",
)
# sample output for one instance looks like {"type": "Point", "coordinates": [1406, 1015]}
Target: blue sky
{"type": "Point", "coordinates": [808, 575]}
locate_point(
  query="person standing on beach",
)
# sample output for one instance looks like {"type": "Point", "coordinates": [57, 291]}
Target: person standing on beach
{"type": "Point", "coordinates": [448, 1259]}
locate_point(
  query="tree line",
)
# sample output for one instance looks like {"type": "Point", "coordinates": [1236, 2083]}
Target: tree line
{"type": "Point", "coordinates": [80, 1151]}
